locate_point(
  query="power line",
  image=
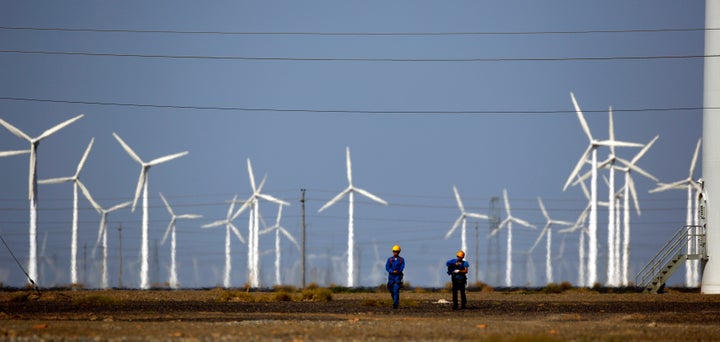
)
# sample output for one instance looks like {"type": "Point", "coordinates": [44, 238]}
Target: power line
{"type": "Point", "coordinates": [349, 111]}
{"type": "Point", "coordinates": [317, 33]}
{"type": "Point", "coordinates": [357, 59]}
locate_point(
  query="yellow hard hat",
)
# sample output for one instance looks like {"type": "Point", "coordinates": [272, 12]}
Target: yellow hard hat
{"type": "Point", "coordinates": [460, 254]}
{"type": "Point", "coordinates": [396, 248]}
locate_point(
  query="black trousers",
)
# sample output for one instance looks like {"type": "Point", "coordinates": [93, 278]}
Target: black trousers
{"type": "Point", "coordinates": [458, 286]}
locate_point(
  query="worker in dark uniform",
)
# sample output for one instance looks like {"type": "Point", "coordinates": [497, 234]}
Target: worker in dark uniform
{"type": "Point", "coordinates": [394, 267]}
{"type": "Point", "coordinates": [457, 269]}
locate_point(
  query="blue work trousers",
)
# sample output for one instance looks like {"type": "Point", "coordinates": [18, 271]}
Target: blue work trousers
{"type": "Point", "coordinates": [394, 288]}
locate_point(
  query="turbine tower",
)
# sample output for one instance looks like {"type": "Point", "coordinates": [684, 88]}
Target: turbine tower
{"type": "Point", "coordinates": [75, 179]}
{"type": "Point", "coordinates": [463, 218]}
{"type": "Point", "coordinates": [32, 184]}
{"type": "Point", "coordinates": [592, 149]}
{"type": "Point", "coordinates": [350, 192]}
{"type": "Point", "coordinates": [279, 229]}
{"type": "Point", "coordinates": [229, 227]}
{"type": "Point", "coordinates": [143, 185]}
{"type": "Point", "coordinates": [507, 222]}
{"type": "Point", "coordinates": [254, 225]}
{"type": "Point", "coordinates": [547, 232]}
{"type": "Point", "coordinates": [173, 281]}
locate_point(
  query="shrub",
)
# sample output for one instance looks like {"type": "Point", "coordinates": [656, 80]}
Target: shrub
{"type": "Point", "coordinates": [317, 295]}
{"type": "Point", "coordinates": [96, 300]}
{"type": "Point", "coordinates": [282, 296]}
{"type": "Point", "coordinates": [552, 288]}
{"type": "Point", "coordinates": [284, 288]}
{"type": "Point", "coordinates": [566, 285]}
{"type": "Point", "coordinates": [235, 296]}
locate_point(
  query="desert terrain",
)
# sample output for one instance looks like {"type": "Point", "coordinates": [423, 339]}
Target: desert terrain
{"type": "Point", "coordinates": [322, 314]}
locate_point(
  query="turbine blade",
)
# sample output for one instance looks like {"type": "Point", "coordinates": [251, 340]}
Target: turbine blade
{"type": "Point", "coordinates": [583, 123]}
{"type": "Point", "coordinates": [664, 187]}
{"type": "Point", "coordinates": [273, 199]}
{"type": "Point", "coordinates": [15, 131]}
{"type": "Point", "coordinates": [478, 216]}
{"type": "Point", "coordinates": [695, 157]}
{"type": "Point", "coordinates": [236, 232]}
{"type": "Point", "coordinates": [167, 205]}
{"type": "Point", "coordinates": [251, 175]}
{"type": "Point", "coordinates": [335, 199]}
{"type": "Point", "coordinates": [129, 151]}
{"type": "Point", "coordinates": [524, 223]}
{"type": "Point", "coordinates": [138, 188]}
{"type": "Point", "coordinates": [537, 240]}
{"type": "Point", "coordinates": [348, 165]}
{"type": "Point", "coordinates": [84, 158]}
{"type": "Point", "coordinates": [103, 218]}
{"type": "Point", "coordinates": [215, 224]}
{"type": "Point", "coordinates": [370, 196]}
{"type": "Point", "coordinates": [289, 236]}
{"type": "Point", "coordinates": [507, 202]}
{"type": "Point", "coordinates": [611, 127]}
{"type": "Point", "coordinates": [633, 194]}
{"type": "Point", "coordinates": [454, 226]}
{"type": "Point", "coordinates": [58, 127]}
{"type": "Point", "coordinates": [167, 158]}
{"type": "Point", "coordinates": [578, 166]}
{"type": "Point", "coordinates": [581, 179]}
{"type": "Point", "coordinates": [542, 208]}
{"type": "Point", "coordinates": [56, 180]}
{"type": "Point", "coordinates": [167, 231]}
{"type": "Point", "coordinates": [232, 206]}
{"type": "Point", "coordinates": [644, 150]}
{"type": "Point", "coordinates": [89, 197]}
{"type": "Point", "coordinates": [242, 208]}
{"type": "Point", "coordinates": [458, 200]}
{"type": "Point", "coordinates": [612, 143]}
{"type": "Point", "coordinates": [13, 153]}
{"type": "Point", "coordinates": [642, 171]}
{"type": "Point", "coordinates": [119, 206]}
{"type": "Point", "coordinates": [188, 216]}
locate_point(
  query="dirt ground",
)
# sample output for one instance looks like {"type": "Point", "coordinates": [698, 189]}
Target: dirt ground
{"type": "Point", "coordinates": [574, 315]}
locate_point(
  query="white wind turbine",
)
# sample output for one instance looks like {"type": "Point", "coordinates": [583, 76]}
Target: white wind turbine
{"type": "Point", "coordinates": [463, 218]}
{"type": "Point", "coordinates": [254, 225]}
{"type": "Point", "coordinates": [32, 183]}
{"type": "Point", "coordinates": [75, 179]}
{"type": "Point", "coordinates": [229, 227]}
{"type": "Point", "coordinates": [629, 190]}
{"type": "Point", "coordinates": [143, 185]}
{"type": "Point", "coordinates": [691, 272]}
{"type": "Point", "coordinates": [102, 231]}
{"type": "Point", "coordinates": [507, 222]}
{"type": "Point", "coordinates": [350, 192]}
{"type": "Point", "coordinates": [173, 281]}
{"type": "Point", "coordinates": [547, 232]}
{"type": "Point", "coordinates": [592, 148]}
{"type": "Point", "coordinates": [279, 229]}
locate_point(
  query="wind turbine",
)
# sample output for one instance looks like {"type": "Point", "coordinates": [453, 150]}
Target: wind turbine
{"type": "Point", "coordinates": [279, 229]}
{"type": "Point", "coordinates": [350, 192]}
{"type": "Point", "coordinates": [102, 231]}
{"type": "Point", "coordinates": [629, 190]}
{"type": "Point", "coordinates": [507, 222]}
{"type": "Point", "coordinates": [229, 227]}
{"type": "Point", "coordinates": [547, 232]}
{"type": "Point", "coordinates": [173, 281]}
{"type": "Point", "coordinates": [254, 225]}
{"type": "Point", "coordinates": [75, 179]}
{"type": "Point", "coordinates": [592, 149]}
{"type": "Point", "coordinates": [463, 218]}
{"type": "Point", "coordinates": [143, 185]}
{"type": "Point", "coordinates": [691, 274]}
{"type": "Point", "coordinates": [32, 183]}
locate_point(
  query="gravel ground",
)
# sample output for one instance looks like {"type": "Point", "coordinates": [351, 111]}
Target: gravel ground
{"type": "Point", "coordinates": [127, 315]}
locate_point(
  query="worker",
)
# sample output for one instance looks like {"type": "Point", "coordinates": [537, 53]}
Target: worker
{"type": "Point", "coordinates": [394, 267]}
{"type": "Point", "coordinates": [457, 269]}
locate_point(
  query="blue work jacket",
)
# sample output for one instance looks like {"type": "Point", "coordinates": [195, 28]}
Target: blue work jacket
{"type": "Point", "coordinates": [395, 264]}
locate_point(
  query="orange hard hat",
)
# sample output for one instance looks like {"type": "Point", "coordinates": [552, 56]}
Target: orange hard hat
{"type": "Point", "coordinates": [460, 254]}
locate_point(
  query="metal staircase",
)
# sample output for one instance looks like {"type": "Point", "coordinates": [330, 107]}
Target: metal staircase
{"type": "Point", "coordinates": [688, 243]}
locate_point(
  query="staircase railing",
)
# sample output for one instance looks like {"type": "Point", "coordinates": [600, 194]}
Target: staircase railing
{"type": "Point", "coordinates": [676, 246]}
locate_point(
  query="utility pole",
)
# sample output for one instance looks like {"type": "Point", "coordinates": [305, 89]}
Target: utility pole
{"type": "Point", "coordinates": [156, 261]}
{"type": "Point", "coordinates": [120, 284]}
{"type": "Point", "coordinates": [302, 200]}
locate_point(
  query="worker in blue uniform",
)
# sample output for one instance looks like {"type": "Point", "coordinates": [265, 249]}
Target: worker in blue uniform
{"type": "Point", "coordinates": [394, 267]}
{"type": "Point", "coordinates": [457, 269]}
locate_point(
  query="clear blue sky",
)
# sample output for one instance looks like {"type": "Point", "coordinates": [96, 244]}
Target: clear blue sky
{"type": "Point", "coordinates": [294, 117]}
